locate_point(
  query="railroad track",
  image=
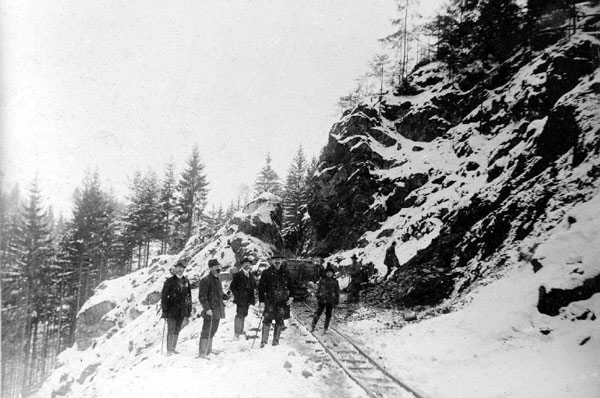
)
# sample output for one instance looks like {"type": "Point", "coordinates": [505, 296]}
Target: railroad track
{"type": "Point", "coordinates": [358, 365]}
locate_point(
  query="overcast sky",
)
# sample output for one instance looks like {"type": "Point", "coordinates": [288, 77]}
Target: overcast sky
{"type": "Point", "coordinates": [128, 85]}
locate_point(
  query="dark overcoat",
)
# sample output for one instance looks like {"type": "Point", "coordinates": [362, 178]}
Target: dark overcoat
{"type": "Point", "coordinates": [243, 287]}
{"type": "Point", "coordinates": [328, 291]}
{"type": "Point", "coordinates": [176, 298]}
{"type": "Point", "coordinates": [391, 260]}
{"type": "Point", "coordinates": [274, 290]}
{"type": "Point", "coordinates": [210, 295]}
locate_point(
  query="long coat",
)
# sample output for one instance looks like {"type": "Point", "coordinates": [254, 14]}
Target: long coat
{"type": "Point", "coordinates": [328, 291]}
{"type": "Point", "coordinates": [274, 290]}
{"type": "Point", "coordinates": [176, 298]}
{"type": "Point", "coordinates": [391, 260]}
{"type": "Point", "coordinates": [242, 287]}
{"type": "Point", "coordinates": [210, 295]}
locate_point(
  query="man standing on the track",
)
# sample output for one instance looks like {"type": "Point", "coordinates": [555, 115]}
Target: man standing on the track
{"type": "Point", "coordinates": [328, 296]}
{"type": "Point", "coordinates": [274, 290]}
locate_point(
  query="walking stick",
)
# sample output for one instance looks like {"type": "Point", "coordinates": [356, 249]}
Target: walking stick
{"type": "Point", "coordinates": [257, 329]}
{"type": "Point", "coordinates": [209, 334]}
{"type": "Point", "coordinates": [162, 342]}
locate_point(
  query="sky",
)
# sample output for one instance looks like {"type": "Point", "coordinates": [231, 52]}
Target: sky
{"type": "Point", "coordinates": [119, 86]}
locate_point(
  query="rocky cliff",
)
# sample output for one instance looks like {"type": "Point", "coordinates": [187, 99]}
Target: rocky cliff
{"type": "Point", "coordinates": [460, 177]}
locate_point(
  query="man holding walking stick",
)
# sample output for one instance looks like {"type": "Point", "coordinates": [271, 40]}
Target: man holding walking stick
{"type": "Point", "coordinates": [176, 304]}
{"type": "Point", "coordinates": [210, 295]}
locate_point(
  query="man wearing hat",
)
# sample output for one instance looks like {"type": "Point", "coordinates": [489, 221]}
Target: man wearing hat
{"type": "Point", "coordinates": [242, 286]}
{"type": "Point", "coordinates": [274, 291]}
{"type": "Point", "coordinates": [210, 295]}
{"type": "Point", "coordinates": [328, 296]}
{"type": "Point", "coordinates": [355, 285]}
{"type": "Point", "coordinates": [176, 305]}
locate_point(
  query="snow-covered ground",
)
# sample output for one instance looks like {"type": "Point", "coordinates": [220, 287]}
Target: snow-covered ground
{"type": "Point", "coordinates": [494, 343]}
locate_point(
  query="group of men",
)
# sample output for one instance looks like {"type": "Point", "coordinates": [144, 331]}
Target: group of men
{"type": "Point", "coordinates": [274, 297]}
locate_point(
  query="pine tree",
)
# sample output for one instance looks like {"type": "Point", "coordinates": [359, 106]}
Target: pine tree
{"type": "Point", "coordinates": [167, 206]}
{"type": "Point", "coordinates": [91, 238]}
{"type": "Point", "coordinates": [193, 190]}
{"type": "Point", "coordinates": [34, 252]}
{"type": "Point", "coordinates": [268, 180]}
{"type": "Point", "coordinates": [294, 203]}
{"type": "Point", "coordinates": [379, 65]}
{"type": "Point", "coordinates": [498, 29]}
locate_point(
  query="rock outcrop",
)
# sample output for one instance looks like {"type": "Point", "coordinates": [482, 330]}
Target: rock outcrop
{"type": "Point", "coordinates": [458, 177]}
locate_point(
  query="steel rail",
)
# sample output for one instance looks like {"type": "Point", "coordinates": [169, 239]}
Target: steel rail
{"type": "Point", "coordinates": [360, 367]}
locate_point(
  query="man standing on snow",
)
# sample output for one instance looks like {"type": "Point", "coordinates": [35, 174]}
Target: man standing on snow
{"type": "Point", "coordinates": [176, 305]}
{"type": "Point", "coordinates": [210, 295]}
{"type": "Point", "coordinates": [391, 260]}
{"type": "Point", "coordinates": [356, 280]}
{"type": "Point", "coordinates": [328, 296]}
{"type": "Point", "coordinates": [242, 286]}
{"type": "Point", "coordinates": [274, 291]}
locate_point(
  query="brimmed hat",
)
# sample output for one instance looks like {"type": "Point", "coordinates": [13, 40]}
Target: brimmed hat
{"type": "Point", "coordinates": [245, 260]}
{"type": "Point", "coordinates": [213, 262]}
{"type": "Point", "coordinates": [354, 256]}
{"type": "Point", "coordinates": [330, 268]}
{"type": "Point", "coordinates": [179, 264]}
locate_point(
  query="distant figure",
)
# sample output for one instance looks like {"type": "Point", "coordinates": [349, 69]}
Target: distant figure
{"type": "Point", "coordinates": [210, 295]}
{"type": "Point", "coordinates": [274, 290]}
{"type": "Point", "coordinates": [176, 304]}
{"type": "Point", "coordinates": [358, 277]}
{"type": "Point", "coordinates": [391, 260]}
{"type": "Point", "coordinates": [321, 268]}
{"type": "Point", "coordinates": [242, 286]}
{"type": "Point", "coordinates": [328, 296]}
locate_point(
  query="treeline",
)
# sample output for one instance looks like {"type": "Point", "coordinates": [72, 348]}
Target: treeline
{"type": "Point", "coordinates": [461, 34]}
{"type": "Point", "coordinates": [51, 266]}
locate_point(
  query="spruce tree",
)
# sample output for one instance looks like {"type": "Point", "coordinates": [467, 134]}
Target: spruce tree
{"type": "Point", "coordinates": [192, 190]}
{"type": "Point", "coordinates": [268, 180]}
{"type": "Point", "coordinates": [34, 257]}
{"type": "Point", "coordinates": [498, 29]}
{"type": "Point", "coordinates": [167, 205]}
{"type": "Point", "coordinates": [294, 203]}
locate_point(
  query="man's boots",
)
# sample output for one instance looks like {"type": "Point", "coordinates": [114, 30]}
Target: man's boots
{"type": "Point", "coordinates": [203, 348]}
{"type": "Point", "coordinates": [327, 320]}
{"type": "Point", "coordinates": [266, 328]}
{"type": "Point", "coordinates": [276, 334]}
{"type": "Point", "coordinates": [170, 338]}
{"type": "Point", "coordinates": [314, 324]}
{"type": "Point", "coordinates": [242, 319]}
{"type": "Point", "coordinates": [236, 328]}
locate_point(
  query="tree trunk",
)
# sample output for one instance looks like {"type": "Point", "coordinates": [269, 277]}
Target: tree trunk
{"type": "Point", "coordinates": [34, 357]}
{"type": "Point", "coordinates": [26, 337]}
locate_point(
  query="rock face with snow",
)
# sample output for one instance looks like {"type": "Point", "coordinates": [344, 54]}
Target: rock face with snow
{"type": "Point", "coordinates": [252, 232]}
{"type": "Point", "coordinates": [458, 177]}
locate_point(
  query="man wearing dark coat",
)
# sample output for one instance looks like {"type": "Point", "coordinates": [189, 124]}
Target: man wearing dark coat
{"type": "Point", "coordinates": [355, 270]}
{"type": "Point", "coordinates": [176, 305]}
{"type": "Point", "coordinates": [391, 260]}
{"type": "Point", "coordinates": [210, 295]}
{"type": "Point", "coordinates": [242, 286]}
{"type": "Point", "coordinates": [328, 296]}
{"type": "Point", "coordinates": [274, 291]}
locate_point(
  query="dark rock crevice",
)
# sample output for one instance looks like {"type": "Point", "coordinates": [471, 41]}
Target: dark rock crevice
{"type": "Point", "coordinates": [551, 301]}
